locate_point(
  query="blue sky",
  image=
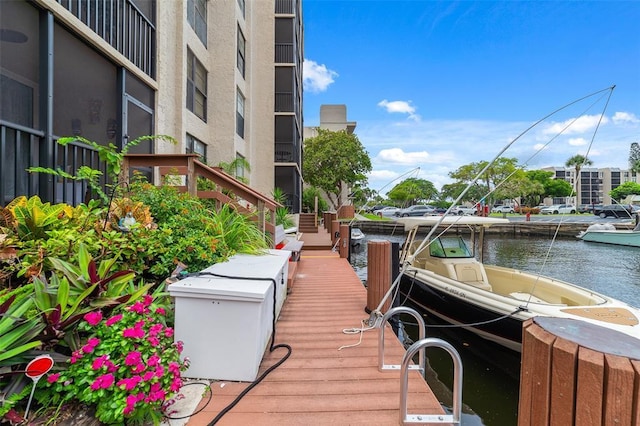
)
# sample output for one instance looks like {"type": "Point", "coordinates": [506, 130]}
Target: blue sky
{"type": "Point", "coordinates": [435, 85]}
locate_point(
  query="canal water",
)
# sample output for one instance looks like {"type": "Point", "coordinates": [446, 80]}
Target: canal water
{"type": "Point", "coordinates": [491, 373]}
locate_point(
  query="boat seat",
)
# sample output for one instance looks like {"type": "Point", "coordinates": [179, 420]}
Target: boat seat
{"type": "Point", "coordinates": [471, 273]}
{"type": "Point", "coordinates": [527, 297]}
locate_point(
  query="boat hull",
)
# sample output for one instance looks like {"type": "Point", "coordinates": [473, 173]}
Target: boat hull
{"type": "Point", "coordinates": [455, 308]}
{"type": "Point", "coordinates": [618, 237]}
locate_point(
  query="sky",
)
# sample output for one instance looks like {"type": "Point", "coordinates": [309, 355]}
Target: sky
{"type": "Point", "coordinates": [434, 85]}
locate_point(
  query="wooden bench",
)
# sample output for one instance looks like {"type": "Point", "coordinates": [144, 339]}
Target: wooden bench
{"type": "Point", "coordinates": [281, 242]}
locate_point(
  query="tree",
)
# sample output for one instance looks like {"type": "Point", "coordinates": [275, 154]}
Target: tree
{"type": "Point", "coordinates": [577, 161]}
{"type": "Point", "coordinates": [309, 196]}
{"type": "Point", "coordinates": [623, 191]}
{"type": "Point", "coordinates": [488, 186]}
{"type": "Point", "coordinates": [538, 179]}
{"type": "Point", "coordinates": [634, 158]}
{"type": "Point", "coordinates": [413, 190]}
{"type": "Point", "coordinates": [558, 188]}
{"type": "Point", "coordinates": [334, 161]}
{"type": "Point", "coordinates": [232, 168]}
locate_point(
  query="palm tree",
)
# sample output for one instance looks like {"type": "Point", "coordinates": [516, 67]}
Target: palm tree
{"type": "Point", "coordinates": [232, 168]}
{"type": "Point", "coordinates": [577, 161]}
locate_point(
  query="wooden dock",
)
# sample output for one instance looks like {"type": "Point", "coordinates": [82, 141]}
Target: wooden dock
{"type": "Point", "coordinates": [320, 384]}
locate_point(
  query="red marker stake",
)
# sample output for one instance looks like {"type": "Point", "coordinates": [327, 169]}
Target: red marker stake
{"type": "Point", "coordinates": [37, 368]}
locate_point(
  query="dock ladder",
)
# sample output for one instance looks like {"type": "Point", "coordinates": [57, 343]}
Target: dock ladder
{"type": "Point", "coordinates": [420, 347]}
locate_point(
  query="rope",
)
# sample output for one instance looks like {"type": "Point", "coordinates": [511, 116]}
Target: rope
{"type": "Point", "coordinates": [360, 331]}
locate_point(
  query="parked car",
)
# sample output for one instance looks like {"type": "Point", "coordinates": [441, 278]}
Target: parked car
{"type": "Point", "coordinates": [584, 208]}
{"type": "Point", "coordinates": [464, 210]}
{"type": "Point", "coordinates": [503, 209]}
{"type": "Point", "coordinates": [615, 210]}
{"type": "Point", "coordinates": [559, 209]}
{"type": "Point", "coordinates": [373, 209]}
{"type": "Point", "coordinates": [417, 210]}
{"type": "Point", "coordinates": [386, 211]}
{"type": "Point", "coordinates": [436, 211]}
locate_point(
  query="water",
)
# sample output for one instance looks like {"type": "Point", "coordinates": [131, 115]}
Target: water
{"type": "Point", "coordinates": [491, 373]}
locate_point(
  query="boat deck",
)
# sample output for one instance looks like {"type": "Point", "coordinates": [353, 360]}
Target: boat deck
{"type": "Point", "coordinates": [320, 384]}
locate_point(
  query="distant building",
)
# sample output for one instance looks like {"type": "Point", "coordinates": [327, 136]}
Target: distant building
{"type": "Point", "coordinates": [594, 183]}
{"type": "Point", "coordinates": [334, 118]}
{"type": "Point", "coordinates": [222, 77]}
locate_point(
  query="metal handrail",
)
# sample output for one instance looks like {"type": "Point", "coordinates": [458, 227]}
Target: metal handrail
{"type": "Point", "coordinates": [457, 384]}
{"type": "Point", "coordinates": [421, 335]}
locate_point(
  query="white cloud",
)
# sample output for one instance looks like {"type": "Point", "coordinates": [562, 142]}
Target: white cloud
{"type": "Point", "coordinates": [577, 141]}
{"type": "Point", "coordinates": [398, 156]}
{"type": "Point", "coordinates": [625, 117]}
{"type": "Point", "coordinates": [572, 126]}
{"type": "Point", "coordinates": [402, 107]}
{"type": "Point", "coordinates": [316, 78]}
{"type": "Point", "coordinates": [439, 147]}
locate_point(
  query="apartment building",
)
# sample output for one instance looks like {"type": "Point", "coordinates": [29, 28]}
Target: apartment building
{"type": "Point", "coordinates": [222, 77]}
{"type": "Point", "coordinates": [594, 183]}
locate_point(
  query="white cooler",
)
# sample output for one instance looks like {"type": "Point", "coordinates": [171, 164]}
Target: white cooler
{"type": "Point", "coordinates": [224, 323]}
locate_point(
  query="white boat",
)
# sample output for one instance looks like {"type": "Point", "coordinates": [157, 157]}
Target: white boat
{"type": "Point", "coordinates": [608, 234]}
{"type": "Point", "coordinates": [357, 237]}
{"type": "Point", "coordinates": [445, 279]}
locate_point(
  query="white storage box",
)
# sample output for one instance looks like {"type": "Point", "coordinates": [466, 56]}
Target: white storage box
{"type": "Point", "coordinates": [225, 323]}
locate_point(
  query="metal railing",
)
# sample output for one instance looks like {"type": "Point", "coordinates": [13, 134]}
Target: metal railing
{"type": "Point", "coordinates": [421, 345]}
{"type": "Point", "coordinates": [421, 333]}
{"type": "Point", "coordinates": [284, 53]}
{"type": "Point", "coordinates": [20, 149]}
{"type": "Point", "coordinates": [121, 24]}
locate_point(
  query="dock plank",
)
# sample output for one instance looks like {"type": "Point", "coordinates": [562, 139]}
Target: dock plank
{"type": "Point", "coordinates": [320, 383]}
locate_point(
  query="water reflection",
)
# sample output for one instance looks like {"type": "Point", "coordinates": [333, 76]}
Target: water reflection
{"type": "Point", "coordinates": [491, 373]}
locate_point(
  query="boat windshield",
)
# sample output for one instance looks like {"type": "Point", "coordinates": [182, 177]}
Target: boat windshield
{"type": "Point", "coordinates": [449, 247]}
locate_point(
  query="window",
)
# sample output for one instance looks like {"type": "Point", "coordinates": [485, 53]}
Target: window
{"type": "Point", "coordinates": [240, 114]}
{"type": "Point", "coordinates": [240, 163]}
{"type": "Point", "coordinates": [196, 86]}
{"type": "Point", "coordinates": [197, 17]}
{"type": "Point", "coordinates": [241, 51]}
{"type": "Point", "coordinates": [196, 146]}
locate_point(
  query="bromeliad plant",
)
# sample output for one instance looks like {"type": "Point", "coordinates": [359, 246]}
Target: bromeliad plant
{"type": "Point", "coordinates": [128, 368]}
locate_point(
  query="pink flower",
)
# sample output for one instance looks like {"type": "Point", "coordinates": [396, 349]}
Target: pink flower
{"type": "Point", "coordinates": [148, 376]}
{"type": "Point", "coordinates": [174, 368]}
{"type": "Point", "coordinates": [159, 371]}
{"type": "Point", "coordinates": [160, 311]}
{"type": "Point", "coordinates": [155, 329]}
{"type": "Point", "coordinates": [134, 333]}
{"type": "Point", "coordinates": [138, 308]}
{"type": "Point", "coordinates": [91, 345]}
{"type": "Point", "coordinates": [99, 362]}
{"type": "Point", "coordinates": [75, 356]}
{"type": "Point", "coordinates": [52, 378]}
{"type": "Point", "coordinates": [111, 367]}
{"type": "Point", "coordinates": [153, 341]}
{"type": "Point", "coordinates": [168, 332]}
{"type": "Point", "coordinates": [179, 346]}
{"type": "Point", "coordinates": [103, 382]}
{"type": "Point", "coordinates": [93, 318]}
{"type": "Point", "coordinates": [133, 358]}
{"type": "Point", "coordinates": [153, 360]}
{"type": "Point", "coordinates": [114, 319]}
{"type": "Point", "coordinates": [147, 300]}
{"type": "Point", "coordinates": [138, 368]}
{"type": "Point", "coordinates": [129, 383]}
{"type": "Point", "coordinates": [176, 384]}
